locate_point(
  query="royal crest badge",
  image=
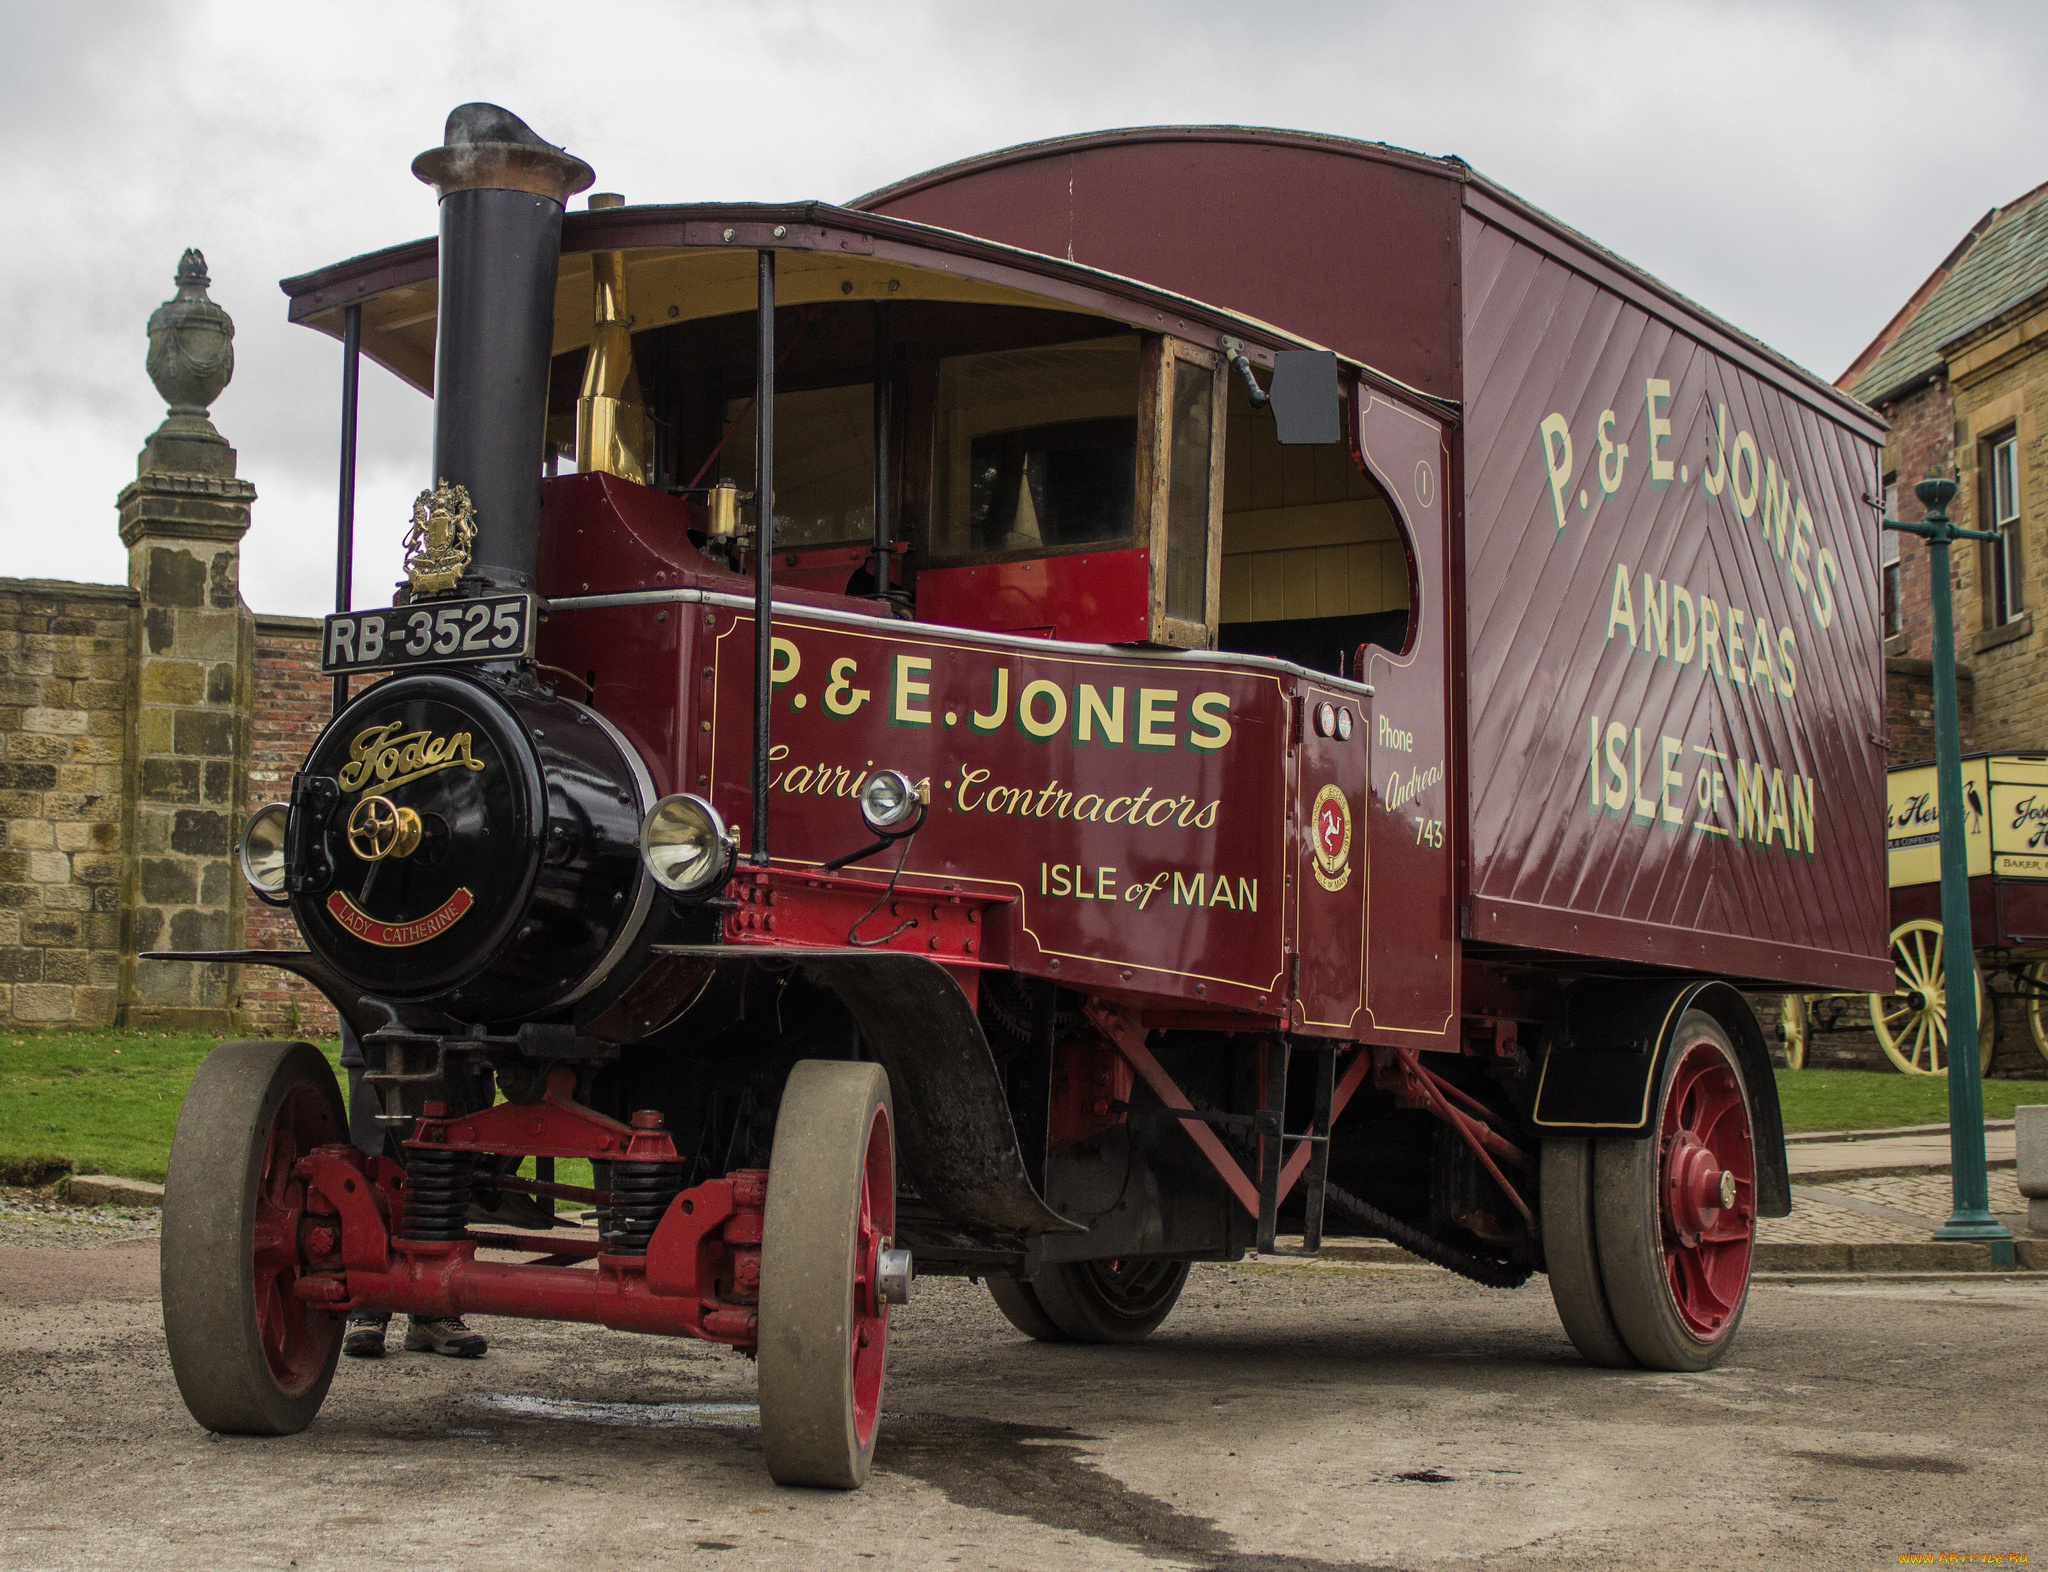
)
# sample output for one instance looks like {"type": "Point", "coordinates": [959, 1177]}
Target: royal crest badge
{"type": "Point", "coordinates": [1330, 828]}
{"type": "Point", "coordinates": [437, 547]}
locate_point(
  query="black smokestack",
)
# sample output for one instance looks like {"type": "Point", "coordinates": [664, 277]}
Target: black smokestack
{"type": "Point", "coordinates": [502, 189]}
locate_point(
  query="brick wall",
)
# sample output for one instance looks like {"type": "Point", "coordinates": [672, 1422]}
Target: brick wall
{"type": "Point", "coordinates": [64, 653]}
{"type": "Point", "coordinates": [293, 701]}
{"type": "Point", "coordinates": [1909, 709]}
{"type": "Point", "coordinates": [1923, 437]}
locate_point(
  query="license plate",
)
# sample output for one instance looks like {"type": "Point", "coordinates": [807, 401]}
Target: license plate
{"type": "Point", "coordinates": [438, 633]}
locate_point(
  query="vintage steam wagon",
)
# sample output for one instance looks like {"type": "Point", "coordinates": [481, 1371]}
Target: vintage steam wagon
{"type": "Point", "coordinates": [1096, 708]}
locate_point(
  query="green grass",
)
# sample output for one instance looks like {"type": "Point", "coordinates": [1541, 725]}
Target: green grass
{"type": "Point", "coordinates": [1865, 1100]}
{"type": "Point", "coordinates": [107, 1100]}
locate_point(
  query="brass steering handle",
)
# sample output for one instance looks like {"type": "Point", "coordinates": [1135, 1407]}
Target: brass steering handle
{"type": "Point", "coordinates": [379, 828]}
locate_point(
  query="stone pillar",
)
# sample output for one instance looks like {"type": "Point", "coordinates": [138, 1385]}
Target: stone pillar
{"type": "Point", "coordinates": [191, 679]}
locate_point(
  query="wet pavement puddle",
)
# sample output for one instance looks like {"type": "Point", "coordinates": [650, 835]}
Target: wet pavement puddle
{"type": "Point", "coordinates": [1040, 1473]}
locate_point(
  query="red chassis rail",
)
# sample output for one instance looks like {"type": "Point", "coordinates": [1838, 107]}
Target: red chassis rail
{"type": "Point", "coordinates": [699, 1277]}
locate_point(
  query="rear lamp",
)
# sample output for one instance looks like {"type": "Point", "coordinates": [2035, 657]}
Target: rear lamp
{"type": "Point", "coordinates": [1344, 724]}
{"type": "Point", "coordinates": [686, 846]}
{"type": "Point", "coordinates": [261, 852]}
{"type": "Point", "coordinates": [890, 803]}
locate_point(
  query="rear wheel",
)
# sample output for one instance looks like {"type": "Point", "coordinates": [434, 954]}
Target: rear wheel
{"type": "Point", "coordinates": [1571, 1254]}
{"type": "Point", "coordinates": [1675, 1214]}
{"type": "Point", "coordinates": [249, 1356]}
{"type": "Point", "coordinates": [1020, 1305]}
{"type": "Point", "coordinates": [824, 1323]}
{"type": "Point", "coordinates": [1109, 1301]}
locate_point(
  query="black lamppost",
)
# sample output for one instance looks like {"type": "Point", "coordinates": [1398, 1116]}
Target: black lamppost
{"type": "Point", "coordinates": [1971, 1217]}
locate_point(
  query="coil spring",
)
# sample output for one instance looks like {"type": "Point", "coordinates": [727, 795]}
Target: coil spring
{"type": "Point", "coordinates": [641, 1192]}
{"type": "Point", "coordinates": [437, 1186]}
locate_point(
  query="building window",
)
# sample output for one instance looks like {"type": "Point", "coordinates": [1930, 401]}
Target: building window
{"type": "Point", "coordinates": [2007, 598]}
{"type": "Point", "coordinates": [1888, 554]}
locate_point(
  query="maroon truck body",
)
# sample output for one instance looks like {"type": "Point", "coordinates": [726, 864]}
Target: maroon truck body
{"type": "Point", "coordinates": [1755, 496]}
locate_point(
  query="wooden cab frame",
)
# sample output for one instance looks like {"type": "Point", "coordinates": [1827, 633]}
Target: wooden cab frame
{"type": "Point", "coordinates": [1179, 385]}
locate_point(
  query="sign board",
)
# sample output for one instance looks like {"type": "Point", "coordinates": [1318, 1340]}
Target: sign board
{"type": "Point", "coordinates": [2019, 816]}
{"type": "Point", "coordinates": [2005, 823]}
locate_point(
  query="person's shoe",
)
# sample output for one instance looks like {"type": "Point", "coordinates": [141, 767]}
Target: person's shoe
{"type": "Point", "coordinates": [364, 1338]}
{"type": "Point", "coordinates": [447, 1336]}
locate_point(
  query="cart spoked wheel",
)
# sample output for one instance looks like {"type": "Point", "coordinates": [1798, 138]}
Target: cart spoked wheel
{"type": "Point", "coordinates": [1109, 1301]}
{"type": "Point", "coordinates": [1911, 1022]}
{"type": "Point", "coordinates": [824, 1323]}
{"type": "Point", "coordinates": [1675, 1215]}
{"type": "Point", "coordinates": [1571, 1253]}
{"type": "Point", "coordinates": [249, 1356]}
{"type": "Point", "coordinates": [2036, 978]}
{"type": "Point", "coordinates": [1794, 1030]}
{"type": "Point", "coordinates": [1019, 1302]}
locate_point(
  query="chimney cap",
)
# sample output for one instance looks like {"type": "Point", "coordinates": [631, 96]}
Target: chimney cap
{"type": "Point", "coordinates": [487, 148]}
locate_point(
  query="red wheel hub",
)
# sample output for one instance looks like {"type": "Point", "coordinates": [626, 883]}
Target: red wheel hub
{"type": "Point", "coordinates": [1707, 1192]}
{"type": "Point", "coordinates": [870, 1310]}
{"type": "Point", "coordinates": [296, 1337]}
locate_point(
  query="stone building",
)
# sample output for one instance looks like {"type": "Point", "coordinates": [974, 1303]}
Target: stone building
{"type": "Point", "coordinates": [139, 724]}
{"type": "Point", "coordinates": [1961, 372]}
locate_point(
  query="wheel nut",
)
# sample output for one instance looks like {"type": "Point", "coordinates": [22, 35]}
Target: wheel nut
{"type": "Point", "coordinates": [321, 1241]}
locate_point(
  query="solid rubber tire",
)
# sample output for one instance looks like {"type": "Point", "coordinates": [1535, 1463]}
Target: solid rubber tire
{"type": "Point", "coordinates": [808, 1430]}
{"type": "Point", "coordinates": [1628, 1220]}
{"type": "Point", "coordinates": [1571, 1254]}
{"type": "Point", "coordinates": [1074, 1301]}
{"type": "Point", "coordinates": [207, 1254]}
{"type": "Point", "coordinates": [1020, 1305]}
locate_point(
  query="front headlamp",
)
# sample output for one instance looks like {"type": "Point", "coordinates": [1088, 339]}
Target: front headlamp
{"type": "Point", "coordinates": [890, 803]}
{"type": "Point", "coordinates": [686, 846]}
{"type": "Point", "coordinates": [261, 852]}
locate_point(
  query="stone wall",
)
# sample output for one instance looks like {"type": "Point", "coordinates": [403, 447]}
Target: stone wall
{"type": "Point", "coordinates": [2000, 376]}
{"type": "Point", "coordinates": [293, 701]}
{"type": "Point", "coordinates": [64, 658]}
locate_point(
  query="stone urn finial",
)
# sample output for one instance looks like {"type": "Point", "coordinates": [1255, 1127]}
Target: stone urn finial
{"type": "Point", "coordinates": [191, 353]}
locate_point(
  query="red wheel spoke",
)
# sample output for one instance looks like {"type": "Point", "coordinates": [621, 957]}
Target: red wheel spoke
{"type": "Point", "coordinates": [1706, 1139]}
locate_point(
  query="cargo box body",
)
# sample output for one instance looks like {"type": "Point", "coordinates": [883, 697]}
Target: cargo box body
{"type": "Point", "coordinates": [1645, 659]}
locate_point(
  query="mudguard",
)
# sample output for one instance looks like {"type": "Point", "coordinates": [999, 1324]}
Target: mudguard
{"type": "Point", "coordinates": [954, 1134]}
{"type": "Point", "coordinates": [1606, 1054]}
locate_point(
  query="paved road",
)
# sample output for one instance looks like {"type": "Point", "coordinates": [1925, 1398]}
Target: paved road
{"type": "Point", "coordinates": [1285, 1417]}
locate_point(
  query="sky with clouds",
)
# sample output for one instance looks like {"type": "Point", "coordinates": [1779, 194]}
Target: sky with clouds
{"type": "Point", "coordinates": [1796, 167]}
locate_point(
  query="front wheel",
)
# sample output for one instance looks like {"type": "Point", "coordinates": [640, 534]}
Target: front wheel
{"type": "Point", "coordinates": [1794, 1030]}
{"type": "Point", "coordinates": [1911, 1022]}
{"type": "Point", "coordinates": [1675, 1213]}
{"type": "Point", "coordinates": [824, 1323]}
{"type": "Point", "coordinates": [250, 1357]}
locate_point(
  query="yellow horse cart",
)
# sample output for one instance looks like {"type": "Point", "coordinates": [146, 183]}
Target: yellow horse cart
{"type": "Point", "coordinates": [2005, 801]}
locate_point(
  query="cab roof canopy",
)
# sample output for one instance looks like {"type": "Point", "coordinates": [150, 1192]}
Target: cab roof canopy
{"type": "Point", "coordinates": [695, 261]}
